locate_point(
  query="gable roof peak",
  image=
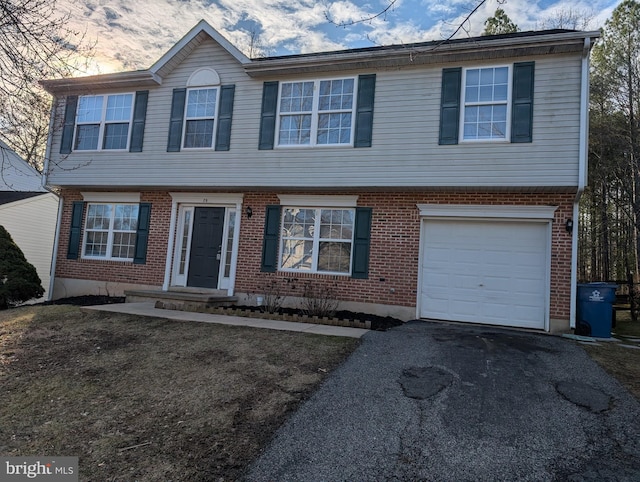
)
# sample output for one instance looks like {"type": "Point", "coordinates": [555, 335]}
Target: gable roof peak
{"type": "Point", "coordinates": [201, 27]}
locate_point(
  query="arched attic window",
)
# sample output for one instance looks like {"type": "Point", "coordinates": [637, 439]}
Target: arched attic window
{"type": "Point", "coordinates": [203, 91]}
{"type": "Point", "coordinates": [201, 113]}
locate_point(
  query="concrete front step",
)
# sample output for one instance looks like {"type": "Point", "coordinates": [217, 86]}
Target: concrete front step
{"type": "Point", "coordinates": [199, 301]}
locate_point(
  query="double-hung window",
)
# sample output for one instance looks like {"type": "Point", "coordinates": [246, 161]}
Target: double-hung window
{"type": "Point", "coordinates": [103, 122]}
{"type": "Point", "coordinates": [200, 116]}
{"type": "Point", "coordinates": [317, 112]}
{"type": "Point", "coordinates": [110, 231]}
{"type": "Point", "coordinates": [317, 240]}
{"type": "Point", "coordinates": [486, 103]}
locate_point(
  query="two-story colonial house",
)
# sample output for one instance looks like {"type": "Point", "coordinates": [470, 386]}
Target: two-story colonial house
{"type": "Point", "coordinates": [436, 180]}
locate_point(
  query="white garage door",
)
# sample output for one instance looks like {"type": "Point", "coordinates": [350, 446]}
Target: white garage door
{"type": "Point", "coordinates": [485, 272]}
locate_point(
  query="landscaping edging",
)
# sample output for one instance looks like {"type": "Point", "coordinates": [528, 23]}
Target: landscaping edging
{"type": "Point", "coordinates": [253, 312]}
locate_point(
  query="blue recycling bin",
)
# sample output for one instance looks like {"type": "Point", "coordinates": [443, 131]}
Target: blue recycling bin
{"type": "Point", "coordinates": [595, 309]}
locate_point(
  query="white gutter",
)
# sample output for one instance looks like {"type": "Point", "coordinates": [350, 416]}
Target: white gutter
{"type": "Point", "coordinates": [54, 254]}
{"type": "Point", "coordinates": [582, 174]}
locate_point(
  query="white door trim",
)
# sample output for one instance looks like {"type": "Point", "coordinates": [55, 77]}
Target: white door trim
{"type": "Point", "coordinates": [537, 214]}
{"type": "Point", "coordinates": [230, 201]}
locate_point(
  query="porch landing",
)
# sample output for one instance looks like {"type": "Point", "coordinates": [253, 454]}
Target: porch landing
{"type": "Point", "coordinates": [183, 299]}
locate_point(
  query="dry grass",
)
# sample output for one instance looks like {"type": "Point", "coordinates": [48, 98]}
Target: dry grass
{"type": "Point", "coordinates": [150, 399]}
{"type": "Point", "coordinates": [620, 362]}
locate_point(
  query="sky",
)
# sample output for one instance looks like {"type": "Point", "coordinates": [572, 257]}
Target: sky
{"type": "Point", "coordinates": [133, 34]}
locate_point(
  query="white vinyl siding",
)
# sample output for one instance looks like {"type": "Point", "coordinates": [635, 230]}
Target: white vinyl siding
{"type": "Point", "coordinates": [32, 225]}
{"type": "Point", "coordinates": [405, 150]}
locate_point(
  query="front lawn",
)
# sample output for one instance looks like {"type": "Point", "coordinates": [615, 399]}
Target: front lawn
{"type": "Point", "coordinates": [150, 399]}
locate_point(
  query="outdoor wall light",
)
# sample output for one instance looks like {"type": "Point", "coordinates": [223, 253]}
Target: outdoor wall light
{"type": "Point", "coordinates": [569, 225]}
{"type": "Point", "coordinates": [249, 212]}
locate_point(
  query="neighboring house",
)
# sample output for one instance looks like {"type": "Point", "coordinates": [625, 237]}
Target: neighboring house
{"type": "Point", "coordinates": [435, 180]}
{"type": "Point", "coordinates": [28, 212]}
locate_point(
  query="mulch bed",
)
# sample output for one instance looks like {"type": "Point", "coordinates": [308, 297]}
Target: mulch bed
{"type": "Point", "coordinates": [378, 323]}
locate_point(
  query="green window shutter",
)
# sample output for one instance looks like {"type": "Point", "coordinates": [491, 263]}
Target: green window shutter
{"type": "Point", "coordinates": [450, 106]}
{"type": "Point", "coordinates": [225, 112]}
{"type": "Point", "coordinates": [175, 123]}
{"type": "Point", "coordinates": [269, 262]}
{"type": "Point", "coordinates": [522, 102]}
{"type": "Point", "coordinates": [66, 144]}
{"type": "Point", "coordinates": [361, 242]}
{"type": "Point", "coordinates": [268, 115]}
{"type": "Point", "coordinates": [142, 234]}
{"type": "Point", "coordinates": [139, 117]}
{"type": "Point", "coordinates": [75, 233]}
{"type": "Point", "coordinates": [364, 110]}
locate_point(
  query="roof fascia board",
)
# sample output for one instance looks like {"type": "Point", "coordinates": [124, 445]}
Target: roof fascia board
{"type": "Point", "coordinates": [421, 54]}
{"type": "Point", "coordinates": [202, 26]}
{"type": "Point", "coordinates": [121, 80]}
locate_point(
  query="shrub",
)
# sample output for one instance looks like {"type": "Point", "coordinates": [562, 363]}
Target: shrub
{"type": "Point", "coordinates": [319, 301]}
{"type": "Point", "coordinates": [272, 298]}
{"type": "Point", "coordinates": [19, 281]}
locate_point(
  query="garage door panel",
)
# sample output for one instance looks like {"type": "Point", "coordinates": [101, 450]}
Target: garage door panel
{"type": "Point", "coordinates": [485, 271]}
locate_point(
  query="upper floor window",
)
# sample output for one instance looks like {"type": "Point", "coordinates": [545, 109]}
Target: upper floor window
{"type": "Point", "coordinates": [318, 112]}
{"type": "Point", "coordinates": [103, 122]}
{"type": "Point", "coordinates": [201, 113]}
{"type": "Point", "coordinates": [200, 117]}
{"type": "Point", "coordinates": [486, 103]}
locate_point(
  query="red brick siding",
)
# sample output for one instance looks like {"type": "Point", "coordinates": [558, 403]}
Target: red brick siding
{"type": "Point", "coordinates": [150, 273]}
{"type": "Point", "coordinates": [395, 242]}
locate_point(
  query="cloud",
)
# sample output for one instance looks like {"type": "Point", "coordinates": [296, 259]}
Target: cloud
{"type": "Point", "coordinates": [134, 34]}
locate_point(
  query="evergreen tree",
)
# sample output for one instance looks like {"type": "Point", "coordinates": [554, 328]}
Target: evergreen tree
{"type": "Point", "coordinates": [611, 210]}
{"type": "Point", "coordinates": [19, 281]}
{"type": "Point", "coordinates": [498, 24]}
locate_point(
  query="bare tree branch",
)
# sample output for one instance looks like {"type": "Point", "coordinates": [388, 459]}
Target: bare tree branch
{"type": "Point", "coordinates": [367, 19]}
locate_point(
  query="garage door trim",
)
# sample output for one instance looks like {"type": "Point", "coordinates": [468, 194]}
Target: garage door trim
{"type": "Point", "coordinates": [502, 213]}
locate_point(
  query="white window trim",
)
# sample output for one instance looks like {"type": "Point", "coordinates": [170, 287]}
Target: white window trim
{"type": "Point", "coordinates": [215, 117]}
{"type": "Point", "coordinates": [111, 197]}
{"type": "Point", "coordinates": [103, 122]}
{"type": "Point", "coordinates": [316, 241]}
{"type": "Point", "coordinates": [463, 103]}
{"type": "Point", "coordinates": [319, 201]}
{"type": "Point", "coordinates": [110, 234]}
{"type": "Point", "coordinates": [315, 113]}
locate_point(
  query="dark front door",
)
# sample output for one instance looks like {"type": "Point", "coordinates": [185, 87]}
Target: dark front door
{"type": "Point", "coordinates": [206, 247]}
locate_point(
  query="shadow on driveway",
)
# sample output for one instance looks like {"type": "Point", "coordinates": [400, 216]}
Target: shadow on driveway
{"type": "Point", "coordinates": [445, 402]}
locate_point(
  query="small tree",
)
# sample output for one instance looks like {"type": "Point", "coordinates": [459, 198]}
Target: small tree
{"type": "Point", "coordinates": [498, 24]}
{"type": "Point", "coordinates": [19, 281]}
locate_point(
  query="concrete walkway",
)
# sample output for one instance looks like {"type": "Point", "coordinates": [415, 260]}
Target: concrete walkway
{"type": "Point", "coordinates": [147, 308]}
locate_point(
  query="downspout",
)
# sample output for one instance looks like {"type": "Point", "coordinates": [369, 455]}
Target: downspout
{"type": "Point", "coordinates": [45, 182]}
{"type": "Point", "coordinates": [583, 158]}
{"type": "Point", "coordinates": [47, 152]}
{"type": "Point", "coordinates": [54, 254]}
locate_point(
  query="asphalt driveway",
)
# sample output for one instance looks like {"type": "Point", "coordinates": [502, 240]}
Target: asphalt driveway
{"type": "Point", "coordinates": [445, 402]}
